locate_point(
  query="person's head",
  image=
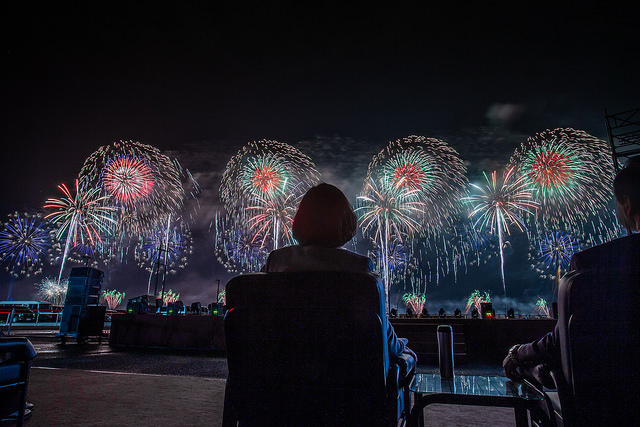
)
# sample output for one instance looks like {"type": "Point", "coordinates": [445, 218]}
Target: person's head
{"type": "Point", "coordinates": [324, 218]}
{"type": "Point", "coordinates": [626, 189]}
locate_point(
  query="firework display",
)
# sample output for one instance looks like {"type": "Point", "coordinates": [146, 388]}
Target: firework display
{"type": "Point", "coordinates": [52, 290]}
{"type": "Point", "coordinates": [569, 172]}
{"type": "Point", "coordinates": [168, 297]}
{"type": "Point", "coordinates": [167, 247]}
{"type": "Point", "coordinates": [112, 298]}
{"type": "Point", "coordinates": [556, 249]}
{"type": "Point", "coordinates": [267, 178]}
{"type": "Point", "coordinates": [24, 242]}
{"type": "Point", "coordinates": [81, 218]}
{"type": "Point", "coordinates": [397, 255]}
{"type": "Point", "coordinates": [420, 222]}
{"type": "Point", "coordinates": [144, 184]}
{"type": "Point", "coordinates": [542, 308]}
{"type": "Point", "coordinates": [237, 247]}
{"type": "Point", "coordinates": [553, 250]}
{"type": "Point", "coordinates": [128, 179]}
{"type": "Point", "coordinates": [500, 204]}
{"type": "Point", "coordinates": [385, 214]}
{"type": "Point", "coordinates": [400, 262]}
{"type": "Point", "coordinates": [428, 168]}
{"type": "Point", "coordinates": [476, 299]}
{"type": "Point", "coordinates": [414, 301]}
{"type": "Point", "coordinates": [384, 211]}
{"type": "Point", "coordinates": [475, 246]}
{"type": "Point", "coordinates": [273, 216]}
{"type": "Point", "coordinates": [413, 187]}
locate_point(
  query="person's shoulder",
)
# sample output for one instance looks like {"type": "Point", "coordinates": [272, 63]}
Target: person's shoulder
{"type": "Point", "coordinates": [632, 241]}
{"type": "Point", "coordinates": [591, 257]}
{"type": "Point", "coordinates": [364, 262]}
{"type": "Point", "coordinates": [351, 253]}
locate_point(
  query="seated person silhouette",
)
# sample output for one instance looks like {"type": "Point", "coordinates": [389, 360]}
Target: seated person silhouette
{"type": "Point", "coordinates": [617, 260]}
{"type": "Point", "coordinates": [324, 222]}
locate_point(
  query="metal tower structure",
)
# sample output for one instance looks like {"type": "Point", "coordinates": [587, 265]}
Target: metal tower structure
{"type": "Point", "coordinates": [624, 135]}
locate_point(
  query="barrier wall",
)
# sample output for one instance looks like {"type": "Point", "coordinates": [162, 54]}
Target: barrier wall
{"type": "Point", "coordinates": [193, 332]}
{"type": "Point", "coordinates": [474, 340]}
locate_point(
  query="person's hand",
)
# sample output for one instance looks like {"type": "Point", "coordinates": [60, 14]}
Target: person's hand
{"type": "Point", "coordinates": [512, 367]}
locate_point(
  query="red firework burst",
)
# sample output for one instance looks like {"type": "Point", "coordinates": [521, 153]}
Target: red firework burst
{"type": "Point", "coordinates": [127, 179]}
{"type": "Point", "coordinates": [551, 169]}
{"type": "Point", "coordinates": [266, 179]}
{"type": "Point", "coordinates": [408, 176]}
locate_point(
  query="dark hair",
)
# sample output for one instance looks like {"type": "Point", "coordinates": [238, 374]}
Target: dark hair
{"type": "Point", "coordinates": [627, 183]}
{"type": "Point", "coordinates": [324, 218]}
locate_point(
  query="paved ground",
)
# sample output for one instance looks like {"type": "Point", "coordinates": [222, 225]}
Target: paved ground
{"type": "Point", "coordinates": [94, 384]}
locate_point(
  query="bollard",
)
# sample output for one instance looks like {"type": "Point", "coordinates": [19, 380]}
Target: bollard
{"type": "Point", "coordinates": [445, 351]}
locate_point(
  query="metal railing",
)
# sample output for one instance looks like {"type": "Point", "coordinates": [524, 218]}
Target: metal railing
{"type": "Point", "coordinates": [31, 316]}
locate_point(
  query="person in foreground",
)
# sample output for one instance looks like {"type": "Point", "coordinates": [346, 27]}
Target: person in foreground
{"type": "Point", "coordinates": [324, 222]}
{"type": "Point", "coordinates": [618, 260]}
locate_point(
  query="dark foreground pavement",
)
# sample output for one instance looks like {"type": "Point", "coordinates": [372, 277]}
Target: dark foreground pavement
{"type": "Point", "coordinates": [93, 384]}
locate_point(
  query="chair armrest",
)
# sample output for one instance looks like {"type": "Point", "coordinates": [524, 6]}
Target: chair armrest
{"type": "Point", "coordinates": [407, 368]}
{"type": "Point", "coordinates": [540, 376]}
{"type": "Point", "coordinates": [16, 348]}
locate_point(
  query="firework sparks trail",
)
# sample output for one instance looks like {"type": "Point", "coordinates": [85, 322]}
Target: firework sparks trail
{"type": "Point", "coordinates": [555, 250]}
{"type": "Point", "coordinates": [570, 173]}
{"type": "Point", "coordinates": [428, 167]}
{"type": "Point", "coordinates": [53, 291]}
{"type": "Point", "coordinates": [168, 247]}
{"type": "Point", "coordinates": [112, 298]}
{"type": "Point", "coordinates": [499, 205]}
{"type": "Point", "coordinates": [415, 301]}
{"type": "Point", "coordinates": [542, 307]}
{"type": "Point", "coordinates": [268, 178]}
{"type": "Point", "coordinates": [168, 297]}
{"type": "Point", "coordinates": [413, 186]}
{"type": "Point", "coordinates": [401, 263]}
{"type": "Point", "coordinates": [476, 299]}
{"type": "Point", "coordinates": [475, 246]}
{"type": "Point", "coordinates": [82, 217]}
{"type": "Point", "coordinates": [274, 215]}
{"type": "Point", "coordinates": [24, 241]}
{"type": "Point", "coordinates": [128, 179]}
{"type": "Point", "coordinates": [143, 183]}
{"type": "Point", "coordinates": [386, 212]}
{"type": "Point", "coordinates": [397, 256]}
{"type": "Point", "coordinates": [237, 247]}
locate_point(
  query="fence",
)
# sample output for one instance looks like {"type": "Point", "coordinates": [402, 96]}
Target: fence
{"type": "Point", "coordinates": [34, 316]}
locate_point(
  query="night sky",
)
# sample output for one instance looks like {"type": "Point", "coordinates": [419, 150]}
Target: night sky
{"type": "Point", "coordinates": [200, 81]}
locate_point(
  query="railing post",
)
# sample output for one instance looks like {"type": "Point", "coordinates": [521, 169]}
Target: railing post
{"type": "Point", "coordinates": [10, 320]}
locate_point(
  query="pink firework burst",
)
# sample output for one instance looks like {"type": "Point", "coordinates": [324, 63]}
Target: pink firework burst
{"type": "Point", "coordinates": [128, 179]}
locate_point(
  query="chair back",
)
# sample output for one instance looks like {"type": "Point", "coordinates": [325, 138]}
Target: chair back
{"type": "Point", "coordinates": [600, 347]}
{"type": "Point", "coordinates": [306, 348]}
{"type": "Point", "coordinates": [16, 354]}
